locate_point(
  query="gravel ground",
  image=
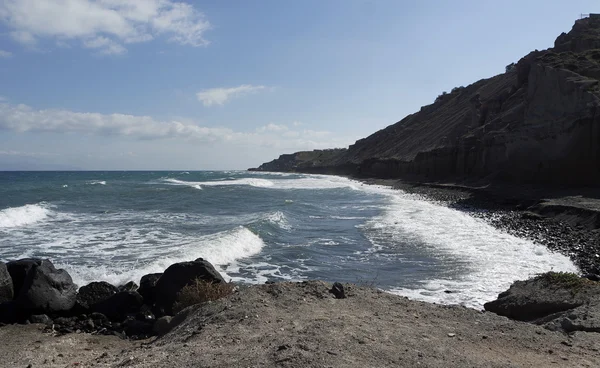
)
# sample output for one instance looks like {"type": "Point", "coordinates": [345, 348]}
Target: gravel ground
{"type": "Point", "coordinates": [303, 325]}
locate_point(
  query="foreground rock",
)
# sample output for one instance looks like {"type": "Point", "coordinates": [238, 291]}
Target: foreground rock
{"type": "Point", "coordinates": [180, 275]}
{"type": "Point", "coordinates": [94, 293]}
{"type": "Point", "coordinates": [47, 296]}
{"type": "Point", "coordinates": [304, 325]}
{"type": "Point", "coordinates": [6, 285]}
{"type": "Point", "coordinates": [40, 287]}
{"type": "Point", "coordinates": [560, 301]}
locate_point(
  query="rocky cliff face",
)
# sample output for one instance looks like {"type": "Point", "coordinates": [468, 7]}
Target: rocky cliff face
{"type": "Point", "coordinates": [538, 122]}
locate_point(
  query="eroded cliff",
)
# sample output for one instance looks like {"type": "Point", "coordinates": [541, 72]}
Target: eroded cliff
{"type": "Point", "coordinates": [539, 122]}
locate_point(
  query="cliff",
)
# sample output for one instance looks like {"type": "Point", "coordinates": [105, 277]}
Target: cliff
{"type": "Point", "coordinates": [538, 122]}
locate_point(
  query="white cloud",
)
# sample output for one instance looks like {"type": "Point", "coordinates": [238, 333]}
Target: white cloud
{"type": "Point", "coordinates": [106, 46]}
{"type": "Point", "coordinates": [218, 96]}
{"type": "Point", "coordinates": [26, 154]}
{"type": "Point", "coordinates": [5, 54]}
{"type": "Point", "coordinates": [272, 128]}
{"type": "Point", "coordinates": [23, 119]}
{"type": "Point", "coordinates": [104, 24]}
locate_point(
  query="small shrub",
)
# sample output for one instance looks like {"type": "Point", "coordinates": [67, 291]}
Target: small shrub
{"type": "Point", "coordinates": [567, 280]}
{"type": "Point", "coordinates": [200, 292]}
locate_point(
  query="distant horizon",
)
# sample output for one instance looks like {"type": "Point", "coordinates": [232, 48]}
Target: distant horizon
{"type": "Point", "coordinates": [175, 82]}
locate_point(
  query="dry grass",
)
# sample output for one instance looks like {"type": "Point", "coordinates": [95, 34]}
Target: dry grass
{"type": "Point", "coordinates": [200, 292]}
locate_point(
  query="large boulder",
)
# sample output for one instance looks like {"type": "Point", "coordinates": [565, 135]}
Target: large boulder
{"type": "Point", "coordinates": [40, 287]}
{"type": "Point", "coordinates": [179, 275]}
{"type": "Point", "coordinates": [95, 292]}
{"type": "Point", "coordinates": [6, 284]}
{"type": "Point", "coordinates": [120, 305]}
{"type": "Point", "coordinates": [544, 295]}
{"type": "Point", "coordinates": [147, 287]}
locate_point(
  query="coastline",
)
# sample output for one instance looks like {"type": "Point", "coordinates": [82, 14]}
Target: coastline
{"type": "Point", "coordinates": [303, 325]}
{"type": "Point", "coordinates": [556, 218]}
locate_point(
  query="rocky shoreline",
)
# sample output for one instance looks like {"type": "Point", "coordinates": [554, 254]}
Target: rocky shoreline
{"type": "Point", "coordinates": [306, 325]}
{"type": "Point", "coordinates": [45, 315]}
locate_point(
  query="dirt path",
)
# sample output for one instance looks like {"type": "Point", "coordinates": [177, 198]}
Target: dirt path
{"type": "Point", "coordinates": [303, 325]}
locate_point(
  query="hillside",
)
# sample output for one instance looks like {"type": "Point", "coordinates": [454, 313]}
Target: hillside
{"type": "Point", "coordinates": [538, 122]}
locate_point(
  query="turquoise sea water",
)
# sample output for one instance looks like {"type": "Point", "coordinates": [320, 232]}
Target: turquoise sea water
{"type": "Point", "coordinates": [118, 226]}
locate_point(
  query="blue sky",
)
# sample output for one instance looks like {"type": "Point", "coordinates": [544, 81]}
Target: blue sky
{"type": "Point", "coordinates": [171, 84]}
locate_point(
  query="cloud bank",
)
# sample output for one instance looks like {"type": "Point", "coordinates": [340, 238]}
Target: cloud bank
{"type": "Point", "coordinates": [25, 119]}
{"type": "Point", "coordinates": [219, 96]}
{"type": "Point", "coordinates": [104, 25]}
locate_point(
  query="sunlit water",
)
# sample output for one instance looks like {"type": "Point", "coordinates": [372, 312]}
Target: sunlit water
{"type": "Point", "coordinates": [118, 226]}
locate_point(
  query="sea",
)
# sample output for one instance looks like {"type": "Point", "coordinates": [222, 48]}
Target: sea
{"type": "Point", "coordinates": [117, 226]}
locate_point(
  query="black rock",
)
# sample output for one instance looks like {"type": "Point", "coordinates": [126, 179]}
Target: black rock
{"type": "Point", "coordinates": [145, 314]}
{"type": "Point", "coordinates": [40, 287]}
{"type": "Point", "coordinates": [65, 321]}
{"type": "Point", "coordinates": [18, 271]}
{"type": "Point", "coordinates": [40, 318]}
{"type": "Point", "coordinates": [120, 305]}
{"type": "Point", "coordinates": [338, 291]}
{"type": "Point", "coordinates": [95, 292]}
{"type": "Point", "coordinates": [592, 276]}
{"type": "Point", "coordinates": [147, 287]}
{"type": "Point", "coordinates": [542, 296]}
{"type": "Point", "coordinates": [130, 286]}
{"type": "Point", "coordinates": [178, 276]}
{"type": "Point", "coordinates": [99, 318]}
{"type": "Point", "coordinates": [8, 313]}
{"type": "Point", "coordinates": [138, 329]}
{"type": "Point", "coordinates": [6, 284]}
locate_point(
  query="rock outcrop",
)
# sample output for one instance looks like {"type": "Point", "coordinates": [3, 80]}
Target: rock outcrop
{"type": "Point", "coordinates": [6, 285]}
{"type": "Point", "coordinates": [179, 275]}
{"type": "Point", "coordinates": [34, 291]}
{"type": "Point", "coordinates": [539, 122]}
{"type": "Point", "coordinates": [40, 287]}
{"type": "Point", "coordinates": [560, 301]}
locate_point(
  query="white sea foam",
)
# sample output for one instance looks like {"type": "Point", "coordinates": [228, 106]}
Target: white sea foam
{"type": "Point", "coordinates": [493, 258]}
{"type": "Point", "coordinates": [254, 182]}
{"type": "Point", "coordinates": [221, 249]}
{"type": "Point", "coordinates": [308, 182]}
{"type": "Point", "coordinates": [96, 182]}
{"type": "Point", "coordinates": [278, 218]}
{"type": "Point", "coordinates": [24, 215]}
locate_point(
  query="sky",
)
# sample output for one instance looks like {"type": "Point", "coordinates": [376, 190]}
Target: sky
{"type": "Point", "coordinates": [220, 85]}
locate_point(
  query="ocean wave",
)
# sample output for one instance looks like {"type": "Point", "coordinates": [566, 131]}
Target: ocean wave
{"type": "Point", "coordinates": [222, 249]}
{"type": "Point", "coordinates": [254, 182]}
{"type": "Point", "coordinates": [308, 182]}
{"type": "Point", "coordinates": [25, 215]}
{"type": "Point", "coordinates": [491, 258]}
{"type": "Point", "coordinates": [279, 219]}
{"type": "Point", "coordinates": [96, 182]}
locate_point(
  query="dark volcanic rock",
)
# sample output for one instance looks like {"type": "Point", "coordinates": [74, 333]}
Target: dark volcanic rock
{"type": "Point", "coordinates": [6, 284]}
{"type": "Point", "coordinates": [338, 290]}
{"type": "Point", "coordinates": [40, 318]}
{"type": "Point", "coordinates": [137, 328]}
{"type": "Point", "coordinates": [545, 295]}
{"type": "Point", "coordinates": [179, 275]}
{"type": "Point", "coordinates": [18, 271]}
{"type": "Point", "coordinates": [130, 286]}
{"type": "Point", "coordinates": [147, 287]}
{"type": "Point", "coordinates": [41, 287]}
{"type": "Point", "coordinates": [95, 292]}
{"type": "Point", "coordinates": [120, 305]}
{"type": "Point", "coordinates": [8, 312]}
